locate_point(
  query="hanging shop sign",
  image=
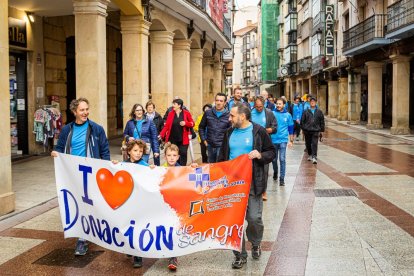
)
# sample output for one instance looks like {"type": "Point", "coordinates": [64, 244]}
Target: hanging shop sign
{"type": "Point", "coordinates": [329, 30]}
{"type": "Point", "coordinates": [17, 32]}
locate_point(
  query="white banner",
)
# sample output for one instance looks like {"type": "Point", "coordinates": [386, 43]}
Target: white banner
{"type": "Point", "coordinates": [160, 212]}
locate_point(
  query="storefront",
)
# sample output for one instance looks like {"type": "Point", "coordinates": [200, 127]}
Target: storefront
{"type": "Point", "coordinates": [18, 88]}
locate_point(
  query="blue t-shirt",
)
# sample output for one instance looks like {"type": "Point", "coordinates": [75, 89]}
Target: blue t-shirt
{"type": "Point", "coordinates": [312, 110]}
{"type": "Point", "coordinates": [219, 113]}
{"type": "Point", "coordinates": [297, 111]}
{"type": "Point", "coordinates": [241, 141]}
{"type": "Point", "coordinates": [284, 127]}
{"type": "Point", "coordinates": [139, 162]}
{"type": "Point", "coordinates": [259, 117]}
{"type": "Point", "coordinates": [78, 146]}
{"type": "Point", "coordinates": [138, 129]}
{"type": "Point", "coordinates": [306, 105]}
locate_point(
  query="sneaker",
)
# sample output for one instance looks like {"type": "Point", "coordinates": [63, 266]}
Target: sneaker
{"type": "Point", "coordinates": [309, 158]}
{"type": "Point", "coordinates": [297, 139]}
{"type": "Point", "coordinates": [238, 262]}
{"type": "Point", "coordinates": [256, 252]}
{"type": "Point", "coordinates": [137, 262]}
{"type": "Point", "coordinates": [282, 182]}
{"type": "Point", "coordinates": [275, 177]}
{"type": "Point", "coordinates": [81, 248]}
{"type": "Point", "coordinates": [264, 196]}
{"type": "Point", "coordinates": [314, 161]}
{"type": "Point", "coordinates": [172, 264]}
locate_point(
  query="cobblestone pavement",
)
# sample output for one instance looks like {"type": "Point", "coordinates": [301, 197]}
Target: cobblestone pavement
{"type": "Point", "coordinates": [351, 214]}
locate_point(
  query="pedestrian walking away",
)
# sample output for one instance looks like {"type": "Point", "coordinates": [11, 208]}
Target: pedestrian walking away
{"type": "Point", "coordinates": [282, 139]}
{"type": "Point", "coordinates": [245, 137]}
{"type": "Point", "coordinates": [139, 127]}
{"type": "Point", "coordinates": [265, 118]}
{"type": "Point", "coordinates": [203, 147]}
{"type": "Point", "coordinates": [313, 124]}
{"type": "Point", "coordinates": [85, 138]}
{"type": "Point", "coordinates": [268, 104]}
{"type": "Point", "coordinates": [177, 129]}
{"type": "Point", "coordinates": [156, 118]}
{"type": "Point", "coordinates": [213, 125]}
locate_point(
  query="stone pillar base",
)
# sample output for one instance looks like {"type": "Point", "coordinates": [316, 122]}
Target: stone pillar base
{"type": "Point", "coordinates": [7, 203]}
{"type": "Point", "coordinates": [374, 126]}
{"type": "Point", "coordinates": [342, 118]}
{"type": "Point", "coordinates": [354, 122]}
{"type": "Point", "coordinates": [400, 130]}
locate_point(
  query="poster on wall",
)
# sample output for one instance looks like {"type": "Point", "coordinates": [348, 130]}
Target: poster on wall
{"type": "Point", "coordinates": [17, 32]}
{"type": "Point", "coordinates": [215, 11]}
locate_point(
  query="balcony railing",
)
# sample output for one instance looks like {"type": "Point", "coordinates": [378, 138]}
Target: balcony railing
{"type": "Point", "coordinates": [291, 23]}
{"type": "Point", "coordinates": [202, 4]}
{"type": "Point", "coordinates": [318, 63]}
{"type": "Point", "coordinates": [290, 54]}
{"type": "Point", "coordinates": [400, 14]}
{"type": "Point", "coordinates": [226, 28]}
{"type": "Point", "coordinates": [304, 65]}
{"type": "Point", "coordinates": [369, 29]}
{"type": "Point", "coordinates": [318, 21]}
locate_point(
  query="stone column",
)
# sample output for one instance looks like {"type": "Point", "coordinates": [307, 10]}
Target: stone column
{"type": "Point", "coordinates": [343, 99]}
{"type": "Point", "coordinates": [196, 81]}
{"type": "Point", "coordinates": [322, 98]}
{"type": "Point", "coordinates": [305, 86]}
{"type": "Point", "coordinates": [135, 32]}
{"type": "Point", "coordinates": [333, 99]}
{"type": "Point", "coordinates": [207, 79]}
{"type": "Point", "coordinates": [374, 94]}
{"type": "Point", "coordinates": [7, 196]}
{"type": "Point", "coordinates": [354, 97]}
{"type": "Point", "coordinates": [218, 78]}
{"type": "Point", "coordinates": [298, 87]}
{"type": "Point", "coordinates": [400, 94]}
{"type": "Point", "coordinates": [162, 69]}
{"type": "Point", "coordinates": [181, 70]}
{"type": "Point", "coordinates": [90, 33]}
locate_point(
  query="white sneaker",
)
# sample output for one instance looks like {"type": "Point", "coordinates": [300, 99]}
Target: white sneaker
{"type": "Point", "coordinates": [309, 158]}
{"type": "Point", "coordinates": [314, 161]}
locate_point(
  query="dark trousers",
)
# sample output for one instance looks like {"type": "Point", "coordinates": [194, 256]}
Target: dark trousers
{"type": "Point", "coordinates": [203, 148]}
{"type": "Point", "coordinates": [157, 161]}
{"type": "Point", "coordinates": [297, 129]}
{"type": "Point", "coordinates": [311, 141]}
{"type": "Point", "coordinates": [183, 154]}
{"type": "Point", "coordinates": [213, 154]}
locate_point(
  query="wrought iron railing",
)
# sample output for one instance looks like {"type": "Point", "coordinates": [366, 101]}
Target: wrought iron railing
{"type": "Point", "coordinates": [226, 28]}
{"type": "Point", "coordinates": [202, 4]}
{"type": "Point", "coordinates": [318, 63]}
{"type": "Point", "coordinates": [400, 14]}
{"type": "Point", "coordinates": [304, 65]}
{"type": "Point", "coordinates": [318, 21]}
{"type": "Point", "coordinates": [369, 29]}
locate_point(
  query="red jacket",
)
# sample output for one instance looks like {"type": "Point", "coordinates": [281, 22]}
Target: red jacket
{"type": "Point", "coordinates": [189, 123]}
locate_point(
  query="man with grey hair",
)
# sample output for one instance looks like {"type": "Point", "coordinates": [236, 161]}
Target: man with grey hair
{"type": "Point", "coordinates": [267, 103]}
{"type": "Point", "coordinates": [245, 137]}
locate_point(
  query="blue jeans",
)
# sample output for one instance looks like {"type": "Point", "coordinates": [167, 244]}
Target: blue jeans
{"type": "Point", "coordinates": [281, 151]}
{"type": "Point", "coordinates": [213, 154]}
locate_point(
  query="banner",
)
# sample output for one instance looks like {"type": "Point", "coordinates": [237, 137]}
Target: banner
{"type": "Point", "coordinates": [215, 10]}
{"type": "Point", "coordinates": [156, 213]}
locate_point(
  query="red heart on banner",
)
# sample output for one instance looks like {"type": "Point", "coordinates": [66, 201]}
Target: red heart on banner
{"type": "Point", "coordinates": [115, 189]}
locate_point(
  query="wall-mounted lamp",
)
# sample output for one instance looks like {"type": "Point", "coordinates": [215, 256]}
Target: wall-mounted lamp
{"type": "Point", "coordinates": [31, 17]}
{"type": "Point", "coordinates": [319, 35]}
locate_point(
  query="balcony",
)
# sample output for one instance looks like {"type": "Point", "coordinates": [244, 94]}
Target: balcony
{"type": "Point", "coordinates": [318, 63]}
{"type": "Point", "coordinates": [306, 27]}
{"type": "Point", "coordinates": [280, 20]}
{"type": "Point", "coordinates": [304, 65]}
{"type": "Point", "coordinates": [318, 22]}
{"type": "Point", "coordinates": [201, 4]}
{"type": "Point", "coordinates": [226, 28]}
{"type": "Point", "coordinates": [290, 54]}
{"type": "Point", "coordinates": [365, 36]}
{"type": "Point", "coordinates": [292, 69]}
{"type": "Point", "coordinates": [400, 20]}
{"type": "Point", "coordinates": [291, 23]}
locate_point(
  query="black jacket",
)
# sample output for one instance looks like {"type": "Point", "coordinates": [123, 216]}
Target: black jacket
{"type": "Point", "coordinates": [313, 122]}
{"type": "Point", "coordinates": [212, 128]}
{"type": "Point", "coordinates": [261, 143]}
{"type": "Point", "coordinates": [271, 121]}
{"type": "Point", "coordinates": [158, 122]}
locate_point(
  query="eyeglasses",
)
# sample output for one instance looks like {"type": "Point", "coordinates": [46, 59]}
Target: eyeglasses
{"type": "Point", "coordinates": [138, 110]}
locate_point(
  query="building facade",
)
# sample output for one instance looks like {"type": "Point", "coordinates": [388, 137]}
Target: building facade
{"type": "Point", "coordinates": [355, 56]}
{"type": "Point", "coordinates": [114, 53]}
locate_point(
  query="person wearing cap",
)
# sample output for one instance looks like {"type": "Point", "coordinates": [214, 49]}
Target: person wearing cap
{"type": "Point", "coordinates": [312, 123]}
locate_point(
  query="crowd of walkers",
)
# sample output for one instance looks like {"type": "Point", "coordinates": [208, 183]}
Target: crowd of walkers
{"type": "Point", "coordinates": [260, 126]}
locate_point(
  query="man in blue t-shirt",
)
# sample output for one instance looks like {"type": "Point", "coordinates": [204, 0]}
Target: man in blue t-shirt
{"type": "Point", "coordinates": [245, 137]}
{"type": "Point", "coordinates": [281, 139]}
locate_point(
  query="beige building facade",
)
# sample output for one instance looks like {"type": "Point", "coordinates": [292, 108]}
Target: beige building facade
{"type": "Point", "coordinates": [114, 53]}
{"type": "Point", "coordinates": [355, 56]}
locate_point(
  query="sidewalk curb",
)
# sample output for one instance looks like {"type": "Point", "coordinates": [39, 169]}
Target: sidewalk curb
{"type": "Point", "coordinates": [362, 129]}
